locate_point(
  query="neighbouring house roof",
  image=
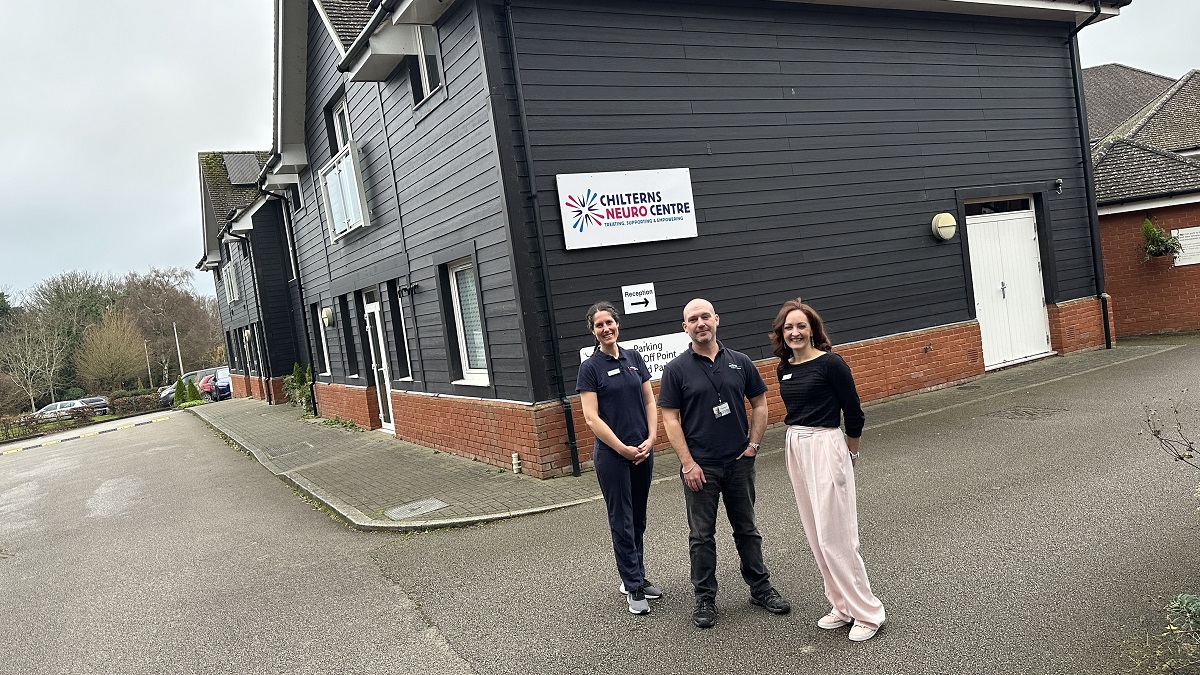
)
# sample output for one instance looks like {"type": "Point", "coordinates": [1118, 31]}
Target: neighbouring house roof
{"type": "Point", "coordinates": [231, 179]}
{"type": "Point", "coordinates": [1173, 121]}
{"type": "Point", "coordinates": [345, 18]}
{"type": "Point", "coordinates": [1128, 170]}
{"type": "Point", "coordinates": [1115, 92]}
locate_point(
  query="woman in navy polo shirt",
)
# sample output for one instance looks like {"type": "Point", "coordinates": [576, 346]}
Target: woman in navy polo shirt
{"type": "Point", "coordinates": [618, 404]}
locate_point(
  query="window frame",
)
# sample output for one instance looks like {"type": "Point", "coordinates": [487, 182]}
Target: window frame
{"type": "Point", "coordinates": [395, 307]}
{"type": "Point", "coordinates": [232, 282]}
{"type": "Point", "coordinates": [426, 36]}
{"type": "Point", "coordinates": [468, 375]}
{"type": "Point", "coordinates": [345, 158]}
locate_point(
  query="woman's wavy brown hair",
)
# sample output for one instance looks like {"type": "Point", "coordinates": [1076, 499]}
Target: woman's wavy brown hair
{"type": "Point", "coordinates": [779, 345]}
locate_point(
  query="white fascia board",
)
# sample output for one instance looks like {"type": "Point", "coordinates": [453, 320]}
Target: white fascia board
{"type": "Point", "coordinates": [291, 77]}
{"type": "Point", "coordinates": [1074, 11]}
{"type": "Point", "coordinates": [1162, 203]}
{"type": "Point", "coordinates": [384, 51]}
{"type": "Point", "coordinates": [420, 12]}
{"type": "Point", "coordinates": [280, 181]}
{"type": "Point", "coordinates": [244, 220]}
{"type": "Point", "coordinates": [293, 158]}
{"type": "Point", "coordinates": [211, 262]}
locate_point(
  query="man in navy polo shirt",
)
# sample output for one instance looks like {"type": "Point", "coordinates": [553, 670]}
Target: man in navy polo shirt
{"type": "Point", "coordinates": [702, 396]}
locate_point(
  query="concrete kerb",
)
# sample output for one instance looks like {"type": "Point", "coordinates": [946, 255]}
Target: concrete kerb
{"type": "Point", "coordinates": [358, 520]}
{"type": "Point", "coordinates": [354, 517]}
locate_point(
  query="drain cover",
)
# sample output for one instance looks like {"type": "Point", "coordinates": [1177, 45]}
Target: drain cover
{"type": "Point", "coordinates": [416, 508]}
{"type": "Point", "coordinates": [1022, 412]}
{"type": "Point", "coordinates": [6, 554]}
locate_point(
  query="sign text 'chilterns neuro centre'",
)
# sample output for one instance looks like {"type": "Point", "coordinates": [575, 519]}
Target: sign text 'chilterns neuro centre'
{"type": "Point", "coordinates": [626, 207]}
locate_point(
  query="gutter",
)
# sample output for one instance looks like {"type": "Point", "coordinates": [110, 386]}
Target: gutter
{"type": "Point", "coordinates": [555, 351]}
{"type": "Point", "coordinates": [382, 10]}
{"type": "Point", "coordinates": [1089, 179]}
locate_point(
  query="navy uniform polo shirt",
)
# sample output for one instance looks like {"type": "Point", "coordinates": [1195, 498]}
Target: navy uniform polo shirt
{"type": "Point", "coordinates": [695, 385]}
{"type": "Point", "coordinates": [618, 386]}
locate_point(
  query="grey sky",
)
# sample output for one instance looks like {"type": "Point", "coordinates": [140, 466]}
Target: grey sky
{"type": "Point", "coordinates": [107, 104]}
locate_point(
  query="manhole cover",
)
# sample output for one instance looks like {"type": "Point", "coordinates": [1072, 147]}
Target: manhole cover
{"type": "Point", "coordinates": [6, 554]}
{"type": "Point", "coordinates": [412, 509]}
{"type": "Point", "coordinates": [1022, 412]}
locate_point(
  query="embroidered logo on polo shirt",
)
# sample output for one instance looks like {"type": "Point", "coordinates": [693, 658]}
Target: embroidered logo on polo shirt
{"type": "Point", "coordinates": [735, 366]}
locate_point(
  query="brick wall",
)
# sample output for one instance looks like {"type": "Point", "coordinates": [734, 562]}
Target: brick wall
{"type": "Point", "coordinates": [1152, 296]}
{"type": "Point", "coordinates": [491, 431]}
{"type": "Point", "coordinates": [357, 404]}
{"type": "Point", "coordinates": [246, 386]}
{"type": "Point", "coordinates": [1077, 325]}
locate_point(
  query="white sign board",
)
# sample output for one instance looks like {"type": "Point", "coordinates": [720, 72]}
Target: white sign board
{"type": "Point", "coordinates": [656, 351]}
{"type": "Point", "coordinates": [639, 298]}
{"type": "Point", "coordinates": [1189, 237]}
{"type": "Point", "coordinates": [626, 207]}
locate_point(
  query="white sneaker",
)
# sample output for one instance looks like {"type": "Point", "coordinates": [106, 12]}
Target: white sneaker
{"type": "Point", "coordinates": [861, 633]}
{"type": "Point", "coordinates": [831, 621]}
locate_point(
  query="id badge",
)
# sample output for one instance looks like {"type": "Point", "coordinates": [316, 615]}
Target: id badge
{"type": "Point", "coordinates": [721, 410]}
{"type": "Point", "coordinates": [614, 372]}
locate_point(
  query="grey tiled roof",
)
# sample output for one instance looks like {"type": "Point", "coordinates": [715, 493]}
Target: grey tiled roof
{"type": "Point", "coordinates": [349, 18]}
{"type": "Point", "coordinates": [224, 195]}
{"type": "Point", "coordinates": [1128, 170]}
{"type": "Point", "coordinates": [1114, 92]}
{"type": "Point", "coordinates": [1173, 123]}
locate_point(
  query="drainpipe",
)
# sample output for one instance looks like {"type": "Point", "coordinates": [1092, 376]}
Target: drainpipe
{"type": "Point", "coordinates": [287, 224]}
{"type": "Point", "coordinates": [541, 239]}
{"type": "Point", "coordinates": [1089, 178]}
{"type": "Point", "coordinates": [266, 349]}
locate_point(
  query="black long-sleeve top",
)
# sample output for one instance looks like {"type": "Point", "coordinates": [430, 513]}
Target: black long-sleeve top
{"type": "Point", "coordinates": [818, 393]}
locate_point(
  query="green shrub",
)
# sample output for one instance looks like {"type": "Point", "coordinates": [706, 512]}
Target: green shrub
{"type": "Point", "coordinates": [297, 388]}
{"type": "Point", "coordinates": [193, 392]}
{"type": "Point", "coordinates": [127, 405]}
{"type": "Point", "coordinates": [180, 392]}
{"type": "Point", "coordinates": [1158, 242]}
{"type": "Point", "coordinates": [73, 393]}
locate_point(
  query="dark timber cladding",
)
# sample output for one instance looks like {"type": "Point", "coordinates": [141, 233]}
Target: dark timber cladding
{"type": "Point", "coordinates": [433, 188]}
{"type": "Point", "coordinates": [821, 141]}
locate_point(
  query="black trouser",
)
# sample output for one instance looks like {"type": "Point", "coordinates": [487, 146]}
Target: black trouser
{"type": "Point", "coordinates": [735, 481]}
{"type": "Point", "coordinates": [626, 489]}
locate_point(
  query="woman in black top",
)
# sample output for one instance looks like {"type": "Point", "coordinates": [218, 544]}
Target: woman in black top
{"type": "Point", "coordinates": [618, 404]}
{"type": "Point", "coordinates": [818, 392]}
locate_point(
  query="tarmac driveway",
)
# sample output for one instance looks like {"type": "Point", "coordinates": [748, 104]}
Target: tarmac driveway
{"type": "Point", "coordinates": [1028, 533]}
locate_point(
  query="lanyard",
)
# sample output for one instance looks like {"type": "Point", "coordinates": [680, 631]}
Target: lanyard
{"type": "Point", "coordinates": [716, 377]}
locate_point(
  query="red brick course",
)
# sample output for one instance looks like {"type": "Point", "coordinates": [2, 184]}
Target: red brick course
{"type": "Point", "coordinates": [1153, 296]}
{"type": "Point", "coordinates": [1077, 325]}
{"type": "Point", "coordinates": [357, 404]}
{"type": "Point", "coordinates": [247, 386]}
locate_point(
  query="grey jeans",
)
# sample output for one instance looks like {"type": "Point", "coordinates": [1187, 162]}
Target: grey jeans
{"type": "Point", "coordinates": [735, 481]}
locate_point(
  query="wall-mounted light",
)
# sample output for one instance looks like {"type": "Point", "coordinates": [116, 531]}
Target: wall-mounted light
{"type": "Point", "coordinates": [944, 226]}
{"type": "Point", "coordinates": [1058, 185]}
{"type": "Point", "coordinates": [327, 316]}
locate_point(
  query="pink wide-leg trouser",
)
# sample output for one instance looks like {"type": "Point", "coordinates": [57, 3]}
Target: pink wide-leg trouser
{"type": "Point", "coordinates": [822, 474]}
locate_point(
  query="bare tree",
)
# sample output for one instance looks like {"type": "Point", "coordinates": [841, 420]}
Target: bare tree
{"type": "Point", "coordinates": [163, 301]}
{"type": "Point", "coordinates": [111, 355]}
{"type": "Point", "coordinates": [30, 352]}
{"type": "Point", "coordinates": [67, 305]}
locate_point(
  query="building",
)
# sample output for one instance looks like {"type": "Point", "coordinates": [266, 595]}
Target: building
{"type": "Point", "coordinates": [456, 182]}
{"type": "Point", "coordinates": [1147, 159]}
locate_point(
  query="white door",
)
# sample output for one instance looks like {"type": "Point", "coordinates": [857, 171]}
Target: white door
{"type": "Point", "coordinates": [1009, 300]}
{"type": "Point", "coordinates": [378, 354]}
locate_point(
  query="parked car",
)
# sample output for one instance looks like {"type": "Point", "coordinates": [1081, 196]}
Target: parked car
{"type": "Point", "coordinates": [58, 411]}
{"type": "Point", "coordinates": [166, 395]}
{"type": "Point", "coordinates": [98, 403]}
{"type": "Point", "coordinates": [216, 387]}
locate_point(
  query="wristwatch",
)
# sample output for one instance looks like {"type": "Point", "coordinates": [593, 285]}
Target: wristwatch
{"type": "Point", "coordinates": [754, 445]}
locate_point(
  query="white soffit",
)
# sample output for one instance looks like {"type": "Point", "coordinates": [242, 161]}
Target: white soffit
{"type": "Point", "coordinates": [1072, 11]}
{"type": "Point", "coordinates": [291, 62]}
{"type": "Point", "coordinates": [425, 12]}
{"type": "Point", "coordinates": [1149, 204]}
{"type": "Point", "coordinates": [244, 220]}
{"type": "Point", "coordinates": [385, 50]}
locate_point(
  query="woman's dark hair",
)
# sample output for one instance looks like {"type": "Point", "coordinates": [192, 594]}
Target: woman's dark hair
{"type": "Point", "coordinates": [779, 345]}
{"type": "Point", "coordinates": [602, 306]}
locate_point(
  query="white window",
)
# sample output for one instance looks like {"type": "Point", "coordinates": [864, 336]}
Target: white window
{"type": "Point", "coordinates": [426, 76]}
{"type": "Point", "coordinates": [341, 182]}
{"type": "Point", "coordinates": [468, 322]}
{"type": "Point", "coordinates": [233, 290]}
